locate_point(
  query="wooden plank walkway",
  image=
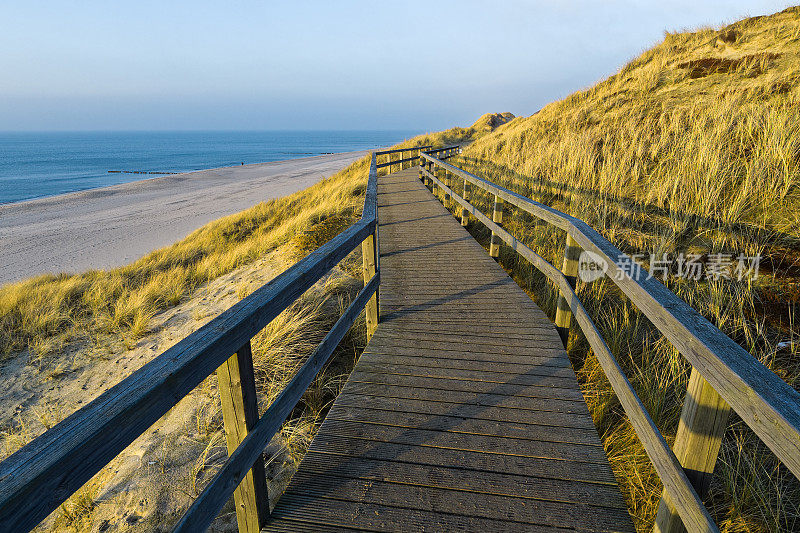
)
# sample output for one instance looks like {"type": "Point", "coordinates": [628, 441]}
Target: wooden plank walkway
{"type": "Point", "coordinates": [463, 412]}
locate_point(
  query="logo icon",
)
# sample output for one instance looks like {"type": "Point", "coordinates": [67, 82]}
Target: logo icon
{"type": "Point", "coordinates": [591, 266]}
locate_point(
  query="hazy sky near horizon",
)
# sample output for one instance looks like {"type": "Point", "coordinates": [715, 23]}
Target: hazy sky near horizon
{"type": "Point", "coordinates": [244, 65]}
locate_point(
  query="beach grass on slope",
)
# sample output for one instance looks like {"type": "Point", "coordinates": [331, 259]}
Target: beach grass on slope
{"type": "Point", "coordinates": [692, 148]}
{"type": "Point", "coordinates": [45, 312]}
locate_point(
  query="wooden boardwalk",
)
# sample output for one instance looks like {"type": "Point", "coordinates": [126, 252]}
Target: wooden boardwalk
{"type": "Point", "coordinates": [463, 412]}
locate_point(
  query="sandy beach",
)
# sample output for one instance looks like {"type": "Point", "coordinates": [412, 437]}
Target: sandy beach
{"type": "Point", "coordinates": [112, 226]}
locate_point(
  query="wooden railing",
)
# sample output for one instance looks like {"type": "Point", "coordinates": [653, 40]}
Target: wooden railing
{"type": "Point", "coordinates": [723, 375]}
{"type": "Point", "coordinates": [35, 480]}
{"type": "Point", "coordinates": [397, 157]}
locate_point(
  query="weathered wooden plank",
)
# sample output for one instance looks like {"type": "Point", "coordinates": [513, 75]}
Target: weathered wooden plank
{"type": "Point", "coordinates": [545, 356]}
{"type": "Point", "coordinates": [490, 461]}
{"type": "Point", "coordinates": [294, 525]}
{"type": "Point", "coordinates": [462, 322]}
{"type": "Point", "coordinates": [455, 476]}
{"type": "Point", "coordinates": [511, 346]}
{"type": "Point", "coordinates": [577, 454]}
{"type": "Point", "coordinates": [480, 386]}
{"type": "Point", "coordinates": [531, 365]}
{"type": "Point", "coordinates": [377, 517]}
{"type": "Point", "coordinates": [530, 403]}
{"type": "Point", "coordinates": [449, 341]}
{"type": "Point", "coordinates": [547, 417]}
{"type": "Point", "coordinates": [469, 441]}
{"type": "Point", "coordinates": [540, 378]}
{"type": "Point", "coordinates": [502, 316]}
{"type": "Point", "coordinates": [536, 428]}
{"type": "Point", "coordinates": [237, 392]}
{"type": "Point", "coordinates": [462, 330]}
{"type": "Point", "coordinates": [587, 517]}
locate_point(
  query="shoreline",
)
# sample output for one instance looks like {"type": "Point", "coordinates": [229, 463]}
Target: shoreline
{"type": "Point", "coordinates": [168, 175]}
{"type": "Point", "coordinates": [107, 227]}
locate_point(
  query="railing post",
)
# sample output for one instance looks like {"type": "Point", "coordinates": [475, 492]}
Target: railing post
{"type": "Point", "coordinates": [572, 254]}
{"type": "Point", "coordinates": [237, 392]}
{"type": "Point", "coordinates": [703, 422]}
{"type": "Point", "coordinates": [369, 253]}
{"type": "Point", "coordinates": [464, 212]}
{"type": "Point", "coordinates": [497, 218]}
{"type": "Point", "coordinates": [432, 170]}
{"type": "Point", "coordinates": [446, 181]}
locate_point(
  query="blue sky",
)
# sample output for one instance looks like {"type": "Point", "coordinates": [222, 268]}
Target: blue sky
{"type": "Point", "coordinates": [186, 65]}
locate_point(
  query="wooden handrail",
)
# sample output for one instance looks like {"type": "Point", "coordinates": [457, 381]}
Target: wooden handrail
{"type": "Point", "coordinates": [764, 402]}
{"type": "Point", "coordinates": [449, 151]}
{"type": "Point", "coordinates": [396, 161]}
{"type": "Point", "coordinates": [396, 150]}
{"type": "Point", "coordinates": [453, 147]}
{"type": "Point", "coordinates": [36, 479]}
{"type": "Point", "coordinates": [402, 161]}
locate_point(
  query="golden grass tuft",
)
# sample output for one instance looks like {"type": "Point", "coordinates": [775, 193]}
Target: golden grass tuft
{"type": "Point", "coordinates": [693, 147]}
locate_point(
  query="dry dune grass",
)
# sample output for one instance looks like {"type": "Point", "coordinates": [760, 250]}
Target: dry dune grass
{"type": "Point", "coordinates": [46, 312]}
{"type": "Point", "coordinates": [694, 148]}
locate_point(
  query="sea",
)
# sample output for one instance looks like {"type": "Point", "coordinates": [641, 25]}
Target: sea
{"type": "Point", "coordinates": [35, 165]}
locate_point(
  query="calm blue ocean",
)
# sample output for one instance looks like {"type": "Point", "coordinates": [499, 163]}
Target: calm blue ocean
{"type": "Point", "coordinates": [33, 165]}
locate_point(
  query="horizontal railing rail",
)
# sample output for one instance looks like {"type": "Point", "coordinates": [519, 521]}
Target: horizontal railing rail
{"type": "Point", "coordinates": [406, 149]}
{"type": "Point", "coordinates": [444, 153]}
{"type": "Point", "coordinates": [413, 158]}
{"type": "Point", "coordinates": [723, 373]}
{"type": "Point", "coordinates": [38, 478]}
{"type": "Point", "coordinates": [401, 161]}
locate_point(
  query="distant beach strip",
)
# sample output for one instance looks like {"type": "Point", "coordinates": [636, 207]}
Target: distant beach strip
{"type": "Point", "coordinates": [113, 226]}
{"type": "Point", "coordinates": [40, 164]}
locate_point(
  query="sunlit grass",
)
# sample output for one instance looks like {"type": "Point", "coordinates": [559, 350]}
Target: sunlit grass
{"type": "Point", "coordinates": [665, 158]}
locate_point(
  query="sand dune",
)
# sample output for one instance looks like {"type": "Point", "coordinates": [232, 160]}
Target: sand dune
{"type": "Point", "coordinates": [112, 226]}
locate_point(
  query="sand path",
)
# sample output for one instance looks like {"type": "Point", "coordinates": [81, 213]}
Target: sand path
{"type": "Point", "coordinates": [112, 226]}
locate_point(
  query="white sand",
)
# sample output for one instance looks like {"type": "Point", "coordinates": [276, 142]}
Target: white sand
{"type": "Point", "coordinates": [113, 226]}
